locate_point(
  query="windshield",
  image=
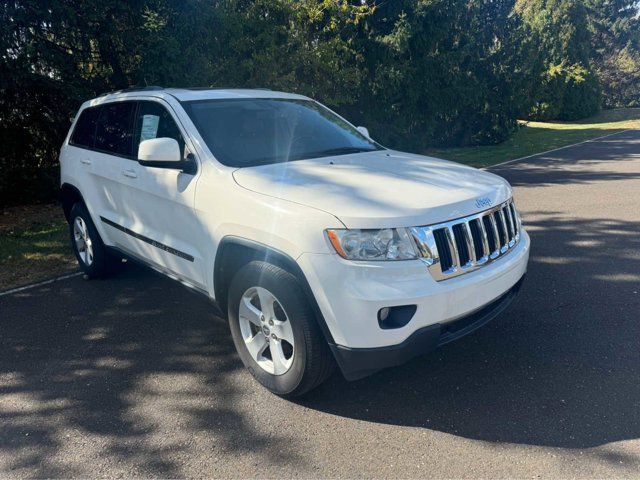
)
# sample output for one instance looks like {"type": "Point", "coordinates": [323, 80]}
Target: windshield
{"type": "Point", "coordinates": [259, 131]}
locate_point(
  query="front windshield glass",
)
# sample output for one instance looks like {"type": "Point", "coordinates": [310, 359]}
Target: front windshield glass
{"type": "Point", "coordinates": [260, 131]}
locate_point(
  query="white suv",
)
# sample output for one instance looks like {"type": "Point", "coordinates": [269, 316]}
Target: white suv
{"type": "Point", "coordinates": [322, 246]}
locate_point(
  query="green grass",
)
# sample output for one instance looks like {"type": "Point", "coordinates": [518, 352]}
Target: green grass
{"type": "Point", "coordinates": [34, 245]}
{"type": "Point", "coordinates": [536, 137]}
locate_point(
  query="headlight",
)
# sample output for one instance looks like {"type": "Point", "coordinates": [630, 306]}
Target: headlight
{"type": "Point", "coordinates": [384, 244]}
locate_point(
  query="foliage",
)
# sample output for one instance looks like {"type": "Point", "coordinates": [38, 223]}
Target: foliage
{"type": "Point", "coordinates": [418, 73]}
{"type": "Point", "coordinates": [589, 55]}
{"type": "Point", "coordinates": [620, 77]}
{"type": "Point", "coordinates": [616, 26]}
{"type": "Point", "coordinates": [442, 72]}
{"type": "Point", "coordinates": [568, 88]}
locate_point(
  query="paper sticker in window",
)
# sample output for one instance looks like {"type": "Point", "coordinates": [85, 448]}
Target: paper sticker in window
{"type": "Point", "coordinates": [149, 127]}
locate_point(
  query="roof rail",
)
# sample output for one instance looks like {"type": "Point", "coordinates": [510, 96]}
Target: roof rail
{"type": "Point", "coordinates": [133, 89]}
{"type": "Point", "coordinates": [212, 87]}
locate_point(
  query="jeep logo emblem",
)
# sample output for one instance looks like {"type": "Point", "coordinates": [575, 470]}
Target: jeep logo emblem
{"type": "Point", "coordinates": [483, 202]}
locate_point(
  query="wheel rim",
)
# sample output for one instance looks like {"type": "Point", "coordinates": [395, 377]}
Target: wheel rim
{"type": "Point", "coordinates": [266, 330]}
{"type": "Point", "coordinates": [83, 241]}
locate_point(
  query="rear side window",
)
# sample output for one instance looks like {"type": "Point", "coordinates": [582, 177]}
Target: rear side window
{"type": "Point", "coordinates": [84, 133]}
{"type": "Point", "coordinates": [154, 121]}
{"type": "Point", "coordinates": [114, 132]}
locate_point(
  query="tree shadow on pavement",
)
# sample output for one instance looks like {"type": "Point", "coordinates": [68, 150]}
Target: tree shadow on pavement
{"type": "Point", "coordinates": [134, 375]}
{"type": "Point", "coordinates": [136, 368]}
{"type": "Point", "coordinates": [132, 370]}
{"type": "Point", "coordinates": [559, 368]}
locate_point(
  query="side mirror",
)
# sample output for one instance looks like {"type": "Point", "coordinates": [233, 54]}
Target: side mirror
{"type": "Point", "coordinates": [159, 150]}
{"type": "Point", "coordinates": [165, 153]}
{"type": "Point", "coordinates": [364, 131]}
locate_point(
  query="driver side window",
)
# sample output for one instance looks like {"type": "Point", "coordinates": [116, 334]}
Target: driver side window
{"type": "Point", "coordinates": [154, 121]}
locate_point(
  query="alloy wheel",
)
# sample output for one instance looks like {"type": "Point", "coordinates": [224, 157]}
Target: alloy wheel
{"type": "Point", "coordinates": [83, 241]}
{"type": "Point", "coordinates": [266, 330]}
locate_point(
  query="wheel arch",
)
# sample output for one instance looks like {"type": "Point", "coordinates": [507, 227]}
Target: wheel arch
{"type": "Point", "coordinates": [235, 252]}
{"type": "Point", "coordinates": [69, 195]}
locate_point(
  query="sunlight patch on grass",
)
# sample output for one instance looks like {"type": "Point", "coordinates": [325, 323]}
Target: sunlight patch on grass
{"type": "Point", "coordinates": [34, 245]}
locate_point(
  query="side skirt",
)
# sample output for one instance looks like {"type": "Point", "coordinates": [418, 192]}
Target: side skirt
{"type": "Point", "coordinates": [165, 272]}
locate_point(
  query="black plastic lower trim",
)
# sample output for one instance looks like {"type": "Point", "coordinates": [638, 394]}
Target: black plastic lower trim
{"type": "Point", "coordinates": [148, 240]}
{"type": "Point", "coordinates": [357, 363]}
{"type": "Point", "coordinates": [270, 255]}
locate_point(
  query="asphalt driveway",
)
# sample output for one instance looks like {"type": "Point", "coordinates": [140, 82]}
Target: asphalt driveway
{"type": "Point", "coordinates": [136, 376]}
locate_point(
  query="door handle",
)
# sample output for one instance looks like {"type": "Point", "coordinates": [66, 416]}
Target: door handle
{"type": "Point", "coordinates": [85, 161]}
{"type": "Point", "coordinates": [130, 173]}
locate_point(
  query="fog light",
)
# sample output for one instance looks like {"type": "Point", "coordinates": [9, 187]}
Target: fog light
{"type": "Point", "coordinates": [395, 317]}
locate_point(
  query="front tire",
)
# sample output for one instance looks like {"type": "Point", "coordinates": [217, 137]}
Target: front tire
{"type": "Point", "coordinates": [275, 331]}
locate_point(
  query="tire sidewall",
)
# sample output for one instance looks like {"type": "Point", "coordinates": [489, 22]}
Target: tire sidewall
{"type": "Point", "coordinates": [291, 298]}
{"type": "Point", "coordinates": [97, 266]}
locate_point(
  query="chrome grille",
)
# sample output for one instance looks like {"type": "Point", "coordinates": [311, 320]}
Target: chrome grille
{"type": "Point", "coordinates": [466, 244]}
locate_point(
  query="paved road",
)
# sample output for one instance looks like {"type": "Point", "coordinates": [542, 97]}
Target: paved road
{"type": "Point", "coordinates": [135, 376]}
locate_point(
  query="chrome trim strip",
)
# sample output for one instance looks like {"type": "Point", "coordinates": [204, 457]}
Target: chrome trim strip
{"type": "Point", "coordinates": [424, 239]}
{"type": "Point", "coordinates": [426, 245]}
{"type": "Point", "coordinates": [496, 235]}
{"type": "Point", "coordinates": [485, 242]}
{"type": "Point", "coordinates": [505, 236]}
{"type": "Point", "coordinates": [468, 238]}
{"type": "Point", "coordinates": [516, 220]}
{"type": "Point", "coordinates": [451, 241]}
{"type": "Point", "coordinates": [512, 237]}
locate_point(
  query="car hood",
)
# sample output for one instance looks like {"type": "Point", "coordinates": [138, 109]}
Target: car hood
{"type": "Point", "coordinates": [380, 189]}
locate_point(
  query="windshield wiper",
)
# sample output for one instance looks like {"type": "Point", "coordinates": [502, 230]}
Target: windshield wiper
{"type": "Point", "coordinates": [341, 151]}
{"type": "Point", "coordinates": [307, 155]}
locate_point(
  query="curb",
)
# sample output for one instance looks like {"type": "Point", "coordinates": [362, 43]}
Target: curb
{"type": "Point", "coordinates": [39, 284]}
{"type": "Point", "coordinates": [559, 148]}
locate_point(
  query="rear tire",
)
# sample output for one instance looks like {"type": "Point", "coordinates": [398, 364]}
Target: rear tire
{"type": "Point", "coordinates": [93, 257]}
{"type": "Point", "coordinates": [279, 342]}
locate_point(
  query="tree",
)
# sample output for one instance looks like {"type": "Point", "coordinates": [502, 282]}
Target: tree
{"type": "Point", "coordinates": [567, 87]}
{"type": "Point", "coordinates": [442, 72]}
{"type": "Point", "coordinates": [616, 26]}
{"type": "Point", "coordinates": [416, 72]}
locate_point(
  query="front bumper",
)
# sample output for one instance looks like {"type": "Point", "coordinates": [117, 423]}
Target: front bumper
{"type": "Point", "coordinates": [357, 363]}
{"type": "Point", "coordinates": [349, 296]}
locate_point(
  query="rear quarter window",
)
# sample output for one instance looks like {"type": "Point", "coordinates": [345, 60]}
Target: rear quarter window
{"type": "Point", "coordinates": [114, 132]}
{"type": "Point", "coordinates": [84, 133]}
